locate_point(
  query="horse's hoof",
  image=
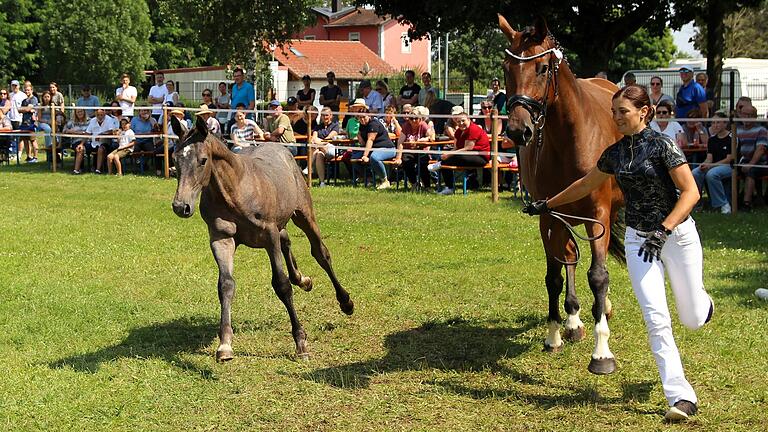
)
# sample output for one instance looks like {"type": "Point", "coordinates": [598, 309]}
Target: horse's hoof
{"type": "Point", "coordinates": [603, 366]}
{"type": "Point", "coordinates": [576, 334]}
{"type": "Point", "coordinates": [224, 354]}
{"type": "Point", "coordinates": [306, 283]}
{"type": "Point", "coordinates": [303, 356]}
{"type": "Point", "coordinates": [347, 307]}
{"type": "Point", "coordinates": [552, 349]}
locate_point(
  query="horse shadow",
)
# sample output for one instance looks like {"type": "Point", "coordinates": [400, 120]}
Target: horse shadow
{"type": "Point", "coordinates": [167, 341]}
{"type": "Point", "coordinates": [454, 344]}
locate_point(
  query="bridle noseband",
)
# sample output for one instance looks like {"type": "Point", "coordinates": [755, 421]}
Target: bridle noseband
{"type": "Point", "coordinates": [537, 109]}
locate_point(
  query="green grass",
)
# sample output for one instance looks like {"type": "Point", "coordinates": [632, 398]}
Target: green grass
{"type": "Point", "coordinates": [109, 314]}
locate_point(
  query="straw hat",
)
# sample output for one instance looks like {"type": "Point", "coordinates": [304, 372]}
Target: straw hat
{"type": "Point", "coordinates": [204, 110]}
{"type": "Point", "coordinates": [177, 112]}
{"type": "Point", "coordinates": [359, 103]}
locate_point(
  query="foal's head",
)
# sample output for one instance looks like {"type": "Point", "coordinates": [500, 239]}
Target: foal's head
{"type": "Point", "coordinates": [193, 169]}
{"type": "Point", "coordinates": [530, 70]}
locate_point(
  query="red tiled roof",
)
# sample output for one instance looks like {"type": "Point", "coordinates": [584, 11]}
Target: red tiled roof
{"type": "Point", "coordinates": [359, 17]}
{"type": "Point", "coordinates": [317, 57]}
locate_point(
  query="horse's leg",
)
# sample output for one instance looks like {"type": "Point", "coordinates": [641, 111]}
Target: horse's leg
{"type": "Point", "coordinates": [294, 274]}
{"type": "Point", "coordinates": [554, 239]}
{"type": "Point", "coordinates": [224, 252]}
{"type": "Point", "coordinates": [574, 327]}
{"type": "Point", "coordinates": [284, 291]}
{"type": "Point", "coordinates": [603, 361]}
{"type": "Point", "coordinates": [306, 222]}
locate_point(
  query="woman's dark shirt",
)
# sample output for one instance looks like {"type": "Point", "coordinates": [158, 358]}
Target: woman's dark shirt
{"type": "Point", "coordinates": [641, 164]}
{"type": "Point", "coordinates": [382, 136]}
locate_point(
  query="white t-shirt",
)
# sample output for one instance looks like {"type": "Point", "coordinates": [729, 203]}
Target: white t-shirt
{"type": "Point", "coordinates": [158, 91]}
{"type": "Point", "coordinates": [95, 128]}
{"type": "Point", "coordinates": [126, 137]}
{"type": "Point", "coordinates": [673, 128]}
{"type": "Point", "coordinates": [16, 100]}
{"type": "Point", "coordinates": [127, 107]}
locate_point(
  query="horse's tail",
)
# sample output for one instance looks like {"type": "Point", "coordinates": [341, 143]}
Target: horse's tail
{"type": "Point", "coordinates": [616, 245]}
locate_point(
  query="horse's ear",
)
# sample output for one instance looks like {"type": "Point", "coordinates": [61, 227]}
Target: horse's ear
{"type": "Point", "coordinates": [200, 126]}
{"type": "Point", "coordinates": [175, 125]}
{"type": "Point", "coordinates": [506, 28]}
{"type": "Point", "coordinates": [540, 28]}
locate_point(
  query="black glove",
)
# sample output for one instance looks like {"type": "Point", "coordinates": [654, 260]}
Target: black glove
{"type": "Point", "coordinates": [651, 247]}
{"type": "Point", "coordinates": [536, 208]}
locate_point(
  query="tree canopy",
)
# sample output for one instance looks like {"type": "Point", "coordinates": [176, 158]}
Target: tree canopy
{"type": "Point", "coordinates": [745, 31]}
{"type": "Point", "coordinates": [174, 43]}
{"type": "Point", "coordinates": [20, 27]}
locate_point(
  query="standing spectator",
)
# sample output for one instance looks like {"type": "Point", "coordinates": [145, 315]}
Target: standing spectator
{"type": "Point", "coordinates": [377, 146]}
{"type": "Point", "coordinates": [144, 124]}
{"type": "Point", "coordinates": [691, 95]}
{"type": "Point", "coordinates": [663, 124]}
{"type": "Point", "coordinates": [629, 79]}
{"type": "Point", "coordinates": [244, 132]}
{"type": "Point", "coordinates": [126, 95]}
{"type": "Point", "coordinates": [77, 125]}
{"type": "Point", "coordinates": [292, 110]}
{"type": "Point", "coordinates": [214, 126]}
{"type": "Point", "coordinates": [415, 130]}
{"type": "Point", "coordinates": [222, 102]}
{"type": "Point", "coordinates": [372, 98]}
{"type": "Point", "coordinates": [57, 100]}
{"type": "Point", "coordinates": [29, 123]}
{"type": "Point", "coordinates": [656, 94]}
{"type": "Point", "coordinates": [703, 80]}
{"type": "Point", "coordinates": [124, 147]}
{"type": "Point", "coordinates": [87, 99]}
{"type": "Point", "coordinates": [426, 79]}
{"type": "Point", "coordinates": [171, 96]}
{"type": "Point", "coordinates": [326, 130]}
{"type": "Point", "coordinates": [716, 167]}
{"type": "Point", "coordinates": [5, 102]}
{"type": "Point", "coordinates": [330, 95]}
{"type": "Point", "coordinates": [242, 91]}
{"type": "Point", "coordinates": [280, 129]}
{"type": "Point", "coordinates": [44, 121]}
{"type": "Point", "coordinates": [14, 115]}
{"type": "Point", "coordinates": [387, 99]}
{"type": "Point", "coordinates": [498, 97]}
{"type": "Point", "coordinates": [602, 74]}
{"type": "Point", "coordinates": [469, 137]}
{"type": "Point", "coordinates": [101, 127]}
{"type": "Point", "coordinates": [753, 149]}
{"type": "Point", "coordinates": [306, 96]}
{"type": "Point", "coordinates": [208, 99]}
{"type": "Point", "coordinates": [157, 94]}
{"type": "Point", "coordinates": [409, 93]}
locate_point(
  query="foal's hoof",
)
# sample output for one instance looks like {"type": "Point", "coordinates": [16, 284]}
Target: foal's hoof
{"type": "Point", "coordinates": [552, 349]}
{"type": "Point", "coordinates": [347, 307]}
{"type": "Point", "coordinates": [576, 334]}
{"type": "Point", "coordinates": [306, 283]}
{"type": "Point", "coordinates": [603, 366]}
{"type": "Point", "coordinates": [224, 354]}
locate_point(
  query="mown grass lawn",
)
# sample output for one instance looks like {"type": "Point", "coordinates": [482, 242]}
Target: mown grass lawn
{"type": "Point", "coordinates": [109, 316]}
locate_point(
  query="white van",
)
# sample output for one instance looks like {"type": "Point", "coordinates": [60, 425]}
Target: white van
{"type": "Point", "coordinates": [750, 79]}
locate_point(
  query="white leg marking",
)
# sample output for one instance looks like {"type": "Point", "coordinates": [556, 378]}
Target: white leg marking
{"type": "Point", "coordinates": [553, 336]}
{"type": "Point", "coordinates": [602, 333]}
{"type": "Point", "coordinates": [224, 347]}
{"type": "Point", "coordinates": [573, 322]}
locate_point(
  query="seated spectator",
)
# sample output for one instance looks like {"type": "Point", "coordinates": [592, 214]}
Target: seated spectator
{"type": "Point", "coordinates": [301, 127]}
{"type": "Point", "coordinates": [656, 94]}
{"type": "Point", "coordinates": [326, 130]}
{"type": "Point", "coordinates": [29, 123]}
{"type": "Point", "coordinates": [716, 167]}
{"type": "Point", "coordinates": [383, 89]}
{"type": "Point", "coordinates": [124, 147]}
{"type": "Point", "coordinates": [451, 125]}
{"type": "Point", "coordinates": [88, 100]}
{"type": "Point", "coordinates": [753, 150]}
{"type": "Point", "coordinates": [352, 128]}
{"type": "Point", "coordinates": [77, 125]}
{"type": "Point", "coordinates": [115, 113]}
{"type": "Point", "coordinates": [670, 128]}
{"type": "Point", "coordinates": [280, 128]}
{"type": "Point", "coordinates": [415, 130]}
{"type": "Point", "coordinates": [172, 98]}
{"type": "Point", "coordinates": [5, 101]}
{"type": "Point", "coordinates": [44, 122]}
{"type": "Point", "coordinates": [244, 132]}
{"type": "Point", "coordinates": [5, 142]}
{"type": "Point", "coordinates": [222, 102]}
{"type": "Point", "coordinates": [57, 100]}
{"type": "Point", "coordinates": [390, 121]}
{"type": "Point", "coordinates": [306, 96]}
{"type": "Point", "coordinates": [695, 132]}
{"type": "Point", "coordinates": [207, 115]}
{"type": "Point", "coordinates": [469, 137]}
{"type": "Point", "coordinates": [292, 110]}
{"type": "Point", "coordinates": [378, 147]}
{"type": "Point", "coordinates": [208, 99]}
{"type": "Point", "coordinates": [102, 129]}
{"type": "Point", "coordinates": [498, 97]}
{"type": "Point", "coordinates": [144, 124]}
{"type": "Point", "coordinates": [231, 122]}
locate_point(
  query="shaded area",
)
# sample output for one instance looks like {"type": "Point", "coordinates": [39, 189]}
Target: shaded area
{"type": "Point", "coordinates": [165, 341]}
{"type": "Point", "coordinates": [453, 344]}
{"type": "Point", "coordinates": [745, 282]}
{"type": "Point", "coordinates": [742, 231]}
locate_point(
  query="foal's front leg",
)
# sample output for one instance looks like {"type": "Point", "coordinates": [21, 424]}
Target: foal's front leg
{"type": "Point", "coordinates": [224, 253]}
{"type": "Point", "coordinates": [284, 291]}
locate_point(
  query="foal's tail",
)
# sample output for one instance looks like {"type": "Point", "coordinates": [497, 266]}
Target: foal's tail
{"type": "Point", "coordinates": [616, 245]}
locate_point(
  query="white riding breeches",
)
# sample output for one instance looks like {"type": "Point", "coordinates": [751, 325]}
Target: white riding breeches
{"type": "Point", "coordinates": [682, 258]}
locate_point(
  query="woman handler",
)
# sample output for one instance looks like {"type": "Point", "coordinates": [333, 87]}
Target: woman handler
{"type": "Point", "coordinates": [660, 193]}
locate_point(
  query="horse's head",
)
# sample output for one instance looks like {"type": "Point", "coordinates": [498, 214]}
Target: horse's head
{"type": "Point", "coordinates": [193, 167]}
{"type": "Point", "coordinates": [530, 71]}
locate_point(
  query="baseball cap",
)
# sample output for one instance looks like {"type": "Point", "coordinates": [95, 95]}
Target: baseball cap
{"type": "Point", "coordinates": [15, 82]}
{"type": "Point", "coordinates": [685, 69]}
{"type": "Point", "coordinates": [274, 103]}
{"type": "Point", "coordinates": [457, 110]}
{"type": "Point", "coordinates": [291, 101]}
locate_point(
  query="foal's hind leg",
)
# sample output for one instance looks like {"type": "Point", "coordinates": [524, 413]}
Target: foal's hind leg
{"type": "Point", "coordinates": [306, 222]}
{"type": "Point", "coordinates": [284, 291]}
{"type": "Point", "coordinates": [294, 274]}
{"type": "Point", "coordinates": [224, 252]}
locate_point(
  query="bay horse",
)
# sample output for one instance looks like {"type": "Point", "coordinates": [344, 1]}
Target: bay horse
{"type": "Point", "coordinates": [562, 125]}
{"type": "Point", "coordinates": [248, 198]}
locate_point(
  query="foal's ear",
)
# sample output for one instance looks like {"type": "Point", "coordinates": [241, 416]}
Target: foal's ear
{"type": "Point", "coordinates": [506, 28]}
{"type": "Point", "coordinates": [201, 127]}
{"type": "Point", "coordinates": [540, 29]}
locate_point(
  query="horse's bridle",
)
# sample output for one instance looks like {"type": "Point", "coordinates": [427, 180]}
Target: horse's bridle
{"type": "Point", "coordinates": [537, 109]}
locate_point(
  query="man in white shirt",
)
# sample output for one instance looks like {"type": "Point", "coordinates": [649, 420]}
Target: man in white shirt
{"type": "Point", "coordinates": [101, 124]}
{"type": "Point", "coordinates": [126, 95]}
{"type": "Point", "coordinates": [157, 95]}
{"type": "Point", "coordinates": [16, 97]}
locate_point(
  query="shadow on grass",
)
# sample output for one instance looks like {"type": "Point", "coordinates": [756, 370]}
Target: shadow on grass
{"type": "Point", "coordinates": [453, 344]}
{"type": "Point", "coordinates": [742, 231]}
{"type": "Point", "coordinates": [165, 341]}
{"type": "Point", "coordinates": [746, 281]}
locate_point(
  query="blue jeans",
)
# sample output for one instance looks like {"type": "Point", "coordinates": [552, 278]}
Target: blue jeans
{"type": "Point", "coordinates": [46, 128]}
{"type": "Point", "coordinates": [714, 178]}
{"type": "Point", "coordinates": [377, 157]}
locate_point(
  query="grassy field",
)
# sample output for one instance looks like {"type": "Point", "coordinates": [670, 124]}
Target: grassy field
{"type": "Point", "coordinates": [109, 316]}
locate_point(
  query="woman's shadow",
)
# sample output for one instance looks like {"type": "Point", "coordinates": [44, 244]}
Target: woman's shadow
{"type": "Point", "coordinates": [166, 341]}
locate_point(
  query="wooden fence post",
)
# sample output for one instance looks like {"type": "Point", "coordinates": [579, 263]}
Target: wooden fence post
{"type": "Point", "coordinates": [53, 137]}
{"type": "Point", "coordinates": [165, 142]}
{"type": "Point", "coordinates": [494, 157]}
{"type": "Point", "coordinates": [735, 170]}
{"type": "Point", "coordinates": [309, 148]}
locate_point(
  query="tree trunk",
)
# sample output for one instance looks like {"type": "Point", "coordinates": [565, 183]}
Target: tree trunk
{"type": "Point", "coordinates": [594, 58]}
{"type": "Point", "coordinates": [715, 46]}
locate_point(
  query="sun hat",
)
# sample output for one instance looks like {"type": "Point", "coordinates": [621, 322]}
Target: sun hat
{"type": "Point", "coordinates": [177, 111]}
{"type": "Point", "coordinates": [458, 109]}
{"type": "Point", "coordinates": [274, 102]}
{"type": "Point", "coordinates": [359, 103]}
{"type": "Point", "coordinates": [204, 110]}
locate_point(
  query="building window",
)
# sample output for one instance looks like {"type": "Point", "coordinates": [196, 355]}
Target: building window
{"type": "Point", "coordinates": [405, 44]}
{"type": "Point", "coordinates": [309, 37]}
{"type": "Point", "coordinates": [354, 36]}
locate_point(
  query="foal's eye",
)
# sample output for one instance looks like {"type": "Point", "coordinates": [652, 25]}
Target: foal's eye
{"type": "Point", "coordinates": [203, 161]}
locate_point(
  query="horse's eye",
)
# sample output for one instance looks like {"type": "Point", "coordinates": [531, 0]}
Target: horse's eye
{"type": "Point", "coordinates": [203, 161]}
{"type": "Point", "coordinates": [543, 69]}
